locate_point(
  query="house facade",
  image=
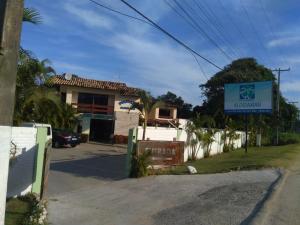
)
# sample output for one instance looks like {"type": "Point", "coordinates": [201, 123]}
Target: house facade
{"type": "Point", "coordinates": [102, 106]}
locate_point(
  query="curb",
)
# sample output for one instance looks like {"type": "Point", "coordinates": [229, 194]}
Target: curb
{"type": "Point", "coordinates": [260, 211]}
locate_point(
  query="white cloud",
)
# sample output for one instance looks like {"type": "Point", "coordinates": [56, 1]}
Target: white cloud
{"type": "Point", "coordinates": [293, 60]}
{"type": "Point", "coordinates": [65, 67]}
{"type": "Point", "coordinates": [293, 86]}
{"type": "Point", "coordinates": [160, 66]}
{"type": "Point", "coordinates": [284, 41]}
{"type": "Point", "coordinates": [88, 17]}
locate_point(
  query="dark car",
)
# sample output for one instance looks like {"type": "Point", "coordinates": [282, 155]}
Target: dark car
{"type": "Point", "coordinates": [64, 137]}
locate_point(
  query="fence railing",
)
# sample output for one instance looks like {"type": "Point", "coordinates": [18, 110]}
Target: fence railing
{"type": "Point", "coordinates": [93, 108]}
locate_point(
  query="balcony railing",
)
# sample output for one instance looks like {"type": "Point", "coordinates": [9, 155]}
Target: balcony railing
{"type": "Point", "coordinates": [165, 117]}
{"type": "Point", "coordinates": [93, 108]}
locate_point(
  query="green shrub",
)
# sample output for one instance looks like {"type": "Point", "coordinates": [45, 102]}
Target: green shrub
{"type": "Point", "coordinates": [27, 210]}
{"type": "Point", "coordinates": [140, 164]}
{"type": "Point", "coordinates": [289, 138]}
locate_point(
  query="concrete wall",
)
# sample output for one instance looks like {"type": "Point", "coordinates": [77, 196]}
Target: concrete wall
{"type": "Point", "coordinates": [5, 137]}
{"type": "Point", "coordinates": [124, 121]}
{"type": "Point", "coordinates": [41, 139]}
{"type": "Point", "coordinates": [168, 134]}
{"type": "Point", "coordinates": [21, 170]}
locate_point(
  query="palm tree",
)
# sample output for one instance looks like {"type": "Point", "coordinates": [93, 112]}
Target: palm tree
{"type": "Point", "coordinates": [31, 74]}
{"type": "Point", "coordinates": [67, 116]}
{"type": "Point", "coordinates": [145, 106]}
{"type": "Point", "coordinates": [42, 106]}
{"type": "Point", "coordinates": [31, 15]}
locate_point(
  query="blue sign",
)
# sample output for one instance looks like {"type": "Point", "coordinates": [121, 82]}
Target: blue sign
{"type": "Point", "coordinates": [125, 104]}
{"type": "Point", "coordinates": [243, 98]}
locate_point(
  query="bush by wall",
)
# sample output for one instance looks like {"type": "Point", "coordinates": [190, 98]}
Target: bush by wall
{"type": "Point", "coordinates": [140, 164]}
{"type": "Point", "coordinates": [289, 138]}
{"type": "Point", "coordinates": [26, 210]}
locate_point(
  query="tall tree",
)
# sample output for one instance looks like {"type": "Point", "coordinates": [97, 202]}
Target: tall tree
{"type": "Point", "coordinates": [31, 74]}
{"type": "Point", "coordinates": [245, 70]}
{"type": "Point", "coordinates": [241, 70]}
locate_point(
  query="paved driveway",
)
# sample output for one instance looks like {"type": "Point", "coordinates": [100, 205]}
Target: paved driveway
{"type": "Point", "coordinates": [85, 165]}
{"type": "Point", "coordinates": [87, 187]}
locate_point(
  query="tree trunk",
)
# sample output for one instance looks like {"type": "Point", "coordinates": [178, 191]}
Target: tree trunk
{"type": "Point", "coordinates": [144, 128]}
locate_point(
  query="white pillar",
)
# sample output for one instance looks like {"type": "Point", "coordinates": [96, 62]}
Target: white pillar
{"type": "Point", "coordinates": [5, 139]}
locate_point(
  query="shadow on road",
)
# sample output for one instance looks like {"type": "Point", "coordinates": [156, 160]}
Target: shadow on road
{"type": "Point", "coordinates": [108, 167]}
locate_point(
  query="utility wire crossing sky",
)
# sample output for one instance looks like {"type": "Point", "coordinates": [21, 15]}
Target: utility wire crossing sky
{"type": "Point", "coordinates": [166, 45]}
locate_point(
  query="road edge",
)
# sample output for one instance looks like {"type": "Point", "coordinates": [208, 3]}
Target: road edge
{"type": "Point", "coordinates": [260, 211]}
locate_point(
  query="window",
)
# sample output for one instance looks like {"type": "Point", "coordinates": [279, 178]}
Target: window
{"type": "Point", "coordinates": [164, 113]}
{"type": "Point", "coordinates": [63, 97]}
{"type": "Point", "coordinates": [84, 98]}
{"type": "Point", "coordinates": [100, 99]}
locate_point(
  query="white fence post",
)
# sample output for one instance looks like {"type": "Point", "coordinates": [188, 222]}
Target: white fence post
{"type": "Point", "coordinates": [5, 137]}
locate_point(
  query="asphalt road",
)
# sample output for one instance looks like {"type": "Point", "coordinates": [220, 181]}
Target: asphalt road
{"type": "Point", "coordinates": [283, 206]}
{"type": "Point", "coordinates": [87, 187]}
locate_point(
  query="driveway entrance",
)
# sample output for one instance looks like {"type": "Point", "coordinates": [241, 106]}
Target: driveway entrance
{"type": "Point", "coordinates": [86, 165]}
{"type": "Point", "coordinates": [87, 186]}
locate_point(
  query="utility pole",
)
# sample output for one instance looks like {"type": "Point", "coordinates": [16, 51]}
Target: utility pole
{"type": "Point", "coordinates": [11, 13]}
{"type": "Point", "coordinates": [279, 70]}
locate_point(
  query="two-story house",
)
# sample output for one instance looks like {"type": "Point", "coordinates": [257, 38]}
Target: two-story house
{"type": "Point", "coordinates": [103, 106]}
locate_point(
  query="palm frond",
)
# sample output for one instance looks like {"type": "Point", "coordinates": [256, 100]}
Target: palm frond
{"type": "Point", "coordinates": [31, 15]}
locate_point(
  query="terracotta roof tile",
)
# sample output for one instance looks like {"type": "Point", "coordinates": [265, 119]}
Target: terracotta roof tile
{"type": "Point", "coordinates": [98, 84]}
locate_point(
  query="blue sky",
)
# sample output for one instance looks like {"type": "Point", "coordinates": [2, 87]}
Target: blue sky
{"type": "Point", "coordinates": [80, 38]}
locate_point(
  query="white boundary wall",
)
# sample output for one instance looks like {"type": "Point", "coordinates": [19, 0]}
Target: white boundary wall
{"type": "Point", "coordinates": [21, 170]}
{"type": "Point", "coordinates": [169, 134]}
{"type": "Point", "coordinates": [5, 135]}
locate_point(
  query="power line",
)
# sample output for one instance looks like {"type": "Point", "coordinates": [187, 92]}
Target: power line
{"type": "Point", "coordinates": [279, 70]}
{"type": "Point", "coordinates": [253, 28]}
{"type": "Point", "coordinates": [145, 21]}
{"type": "Point", "coordinates": [234, 23]}
{"type": "Point", "coordinates": [271, 29]}
{"type": "Point", "coordinates": [191, 24]}
{"type": "Point", "coordinates": [170, 35]}
{"type": "Point", "coordinates": [121, 13]}
{"type": "Point", "coordinates": [203, 31]}
{"type": "Point", "coordinates": [201, 68]}
{"type": "Point", "coordinates": [213, 20]}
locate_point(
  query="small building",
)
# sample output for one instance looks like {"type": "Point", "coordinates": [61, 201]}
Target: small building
{"type": "Point", "coordinates": [163, 116]}
{"type": "Point", "coordinates": [102, 106]}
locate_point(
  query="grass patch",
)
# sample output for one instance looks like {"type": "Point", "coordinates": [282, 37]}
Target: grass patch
{"type": "Point", "coordinates": [16, 211]}
{"type": "Point", "coordinates": [272, 156]}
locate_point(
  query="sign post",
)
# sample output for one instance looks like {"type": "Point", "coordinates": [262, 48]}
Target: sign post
{"type": "Point", "coordinates": [248, 98]}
